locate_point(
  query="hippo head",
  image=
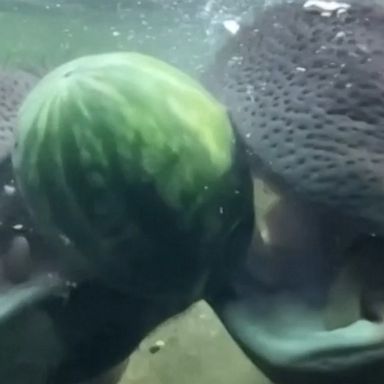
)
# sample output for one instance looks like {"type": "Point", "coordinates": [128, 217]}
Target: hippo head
{"type": "Point", "coordinates": [304, 85]}
{"type": "Point", "coordinates": [305, 89]}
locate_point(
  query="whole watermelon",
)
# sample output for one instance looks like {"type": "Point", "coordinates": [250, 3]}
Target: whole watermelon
{"type": "Point", "coordinates": [137, 165]}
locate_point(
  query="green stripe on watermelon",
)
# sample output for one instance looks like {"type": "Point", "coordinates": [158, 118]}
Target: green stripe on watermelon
{"type": "Point", "coordinates": [136, 163]}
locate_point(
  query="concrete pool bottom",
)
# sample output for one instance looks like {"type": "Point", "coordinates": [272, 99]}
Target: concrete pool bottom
{"type": "Point", "coordinates": [192, 348]}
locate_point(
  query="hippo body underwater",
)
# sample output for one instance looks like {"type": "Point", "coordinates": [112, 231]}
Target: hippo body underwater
{"type": "Point", "coordinates": [303, 89]}
{"type": "Point", "coordinates": [303, 84]}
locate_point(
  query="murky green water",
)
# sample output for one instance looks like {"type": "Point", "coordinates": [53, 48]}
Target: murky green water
{"type": "Point", "coordinates": [47, 33]}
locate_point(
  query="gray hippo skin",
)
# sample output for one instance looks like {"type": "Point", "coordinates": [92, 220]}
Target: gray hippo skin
{"type": "Point", "coordinates": [304, 87]}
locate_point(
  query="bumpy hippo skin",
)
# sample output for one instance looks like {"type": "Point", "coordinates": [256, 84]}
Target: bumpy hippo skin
{"type": "Point", "coordinates": [304, 87]}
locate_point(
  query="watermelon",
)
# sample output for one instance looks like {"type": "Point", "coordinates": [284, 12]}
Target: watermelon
{"type": "Point", "coordinates": [138, 166]}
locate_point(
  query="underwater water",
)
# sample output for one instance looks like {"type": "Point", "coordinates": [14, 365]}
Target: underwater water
{"type": "Point", "coordinates": [208, 210]}
{"type": "Point", "coordinates": [184, 33]}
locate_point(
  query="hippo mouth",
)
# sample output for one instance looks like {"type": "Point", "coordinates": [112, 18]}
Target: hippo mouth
{"type": "Point", "coordinates": [309, 303]}
{"type": "Point", "coordinates": [303, 85]}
